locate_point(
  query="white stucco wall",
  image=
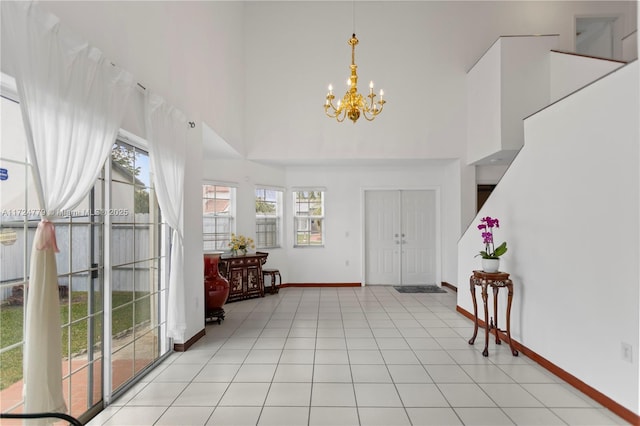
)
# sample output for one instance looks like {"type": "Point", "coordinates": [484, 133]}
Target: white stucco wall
{"type": "Point", "coordinates": [571, 72]}
{"type": "Point", "coordinates": [344, 211]}
{"type": "Point", "coordinates": [569, 210]}
{"type": "Point", "coordinates": [484, 105]}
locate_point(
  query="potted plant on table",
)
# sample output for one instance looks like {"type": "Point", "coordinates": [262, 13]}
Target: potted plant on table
{"type": "Point", "coordinates": [491, 254]}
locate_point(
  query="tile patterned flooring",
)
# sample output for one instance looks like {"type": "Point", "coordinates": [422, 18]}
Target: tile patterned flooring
{"type": "Point", "coordinates": [349, 356]}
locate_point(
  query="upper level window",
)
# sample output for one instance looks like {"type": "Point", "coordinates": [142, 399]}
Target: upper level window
{"type": "Point", "coordinates": [218, 207]}
{"type": "Point", "coordinates": [268, 217]}
{"type": "Point", "coordinates": [308, 218]}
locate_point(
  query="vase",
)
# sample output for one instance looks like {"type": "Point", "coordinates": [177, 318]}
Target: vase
{"type": "Point", "coordinates": [216, 287]}
{"type": "Point", "coordinates": [490, 265]}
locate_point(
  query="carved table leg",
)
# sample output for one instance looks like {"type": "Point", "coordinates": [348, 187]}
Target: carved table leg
{"type": "Point", "coordinates": [514, 352]}
{"type": "Point", "coordinates": [485, 352]}
{"type": "Point", "coordinates": [475, 311]}
{"type": "Point", "coordinates": [495, 313]}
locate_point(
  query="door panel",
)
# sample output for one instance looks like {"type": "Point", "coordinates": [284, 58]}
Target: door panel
{"type": "Point", "coordinates": [418, 228]}
{"type": "Point", "coordinates": [382, 227]}
{"type": "Point", "coordinates": [400, 237]}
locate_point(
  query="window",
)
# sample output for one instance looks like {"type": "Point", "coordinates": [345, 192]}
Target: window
{"type": "Point", "coordinates": [268, 217]}
{"type": "Point", "coordinates": [308, 218]}
{"type": "Point", "coordinates": [218, 206]}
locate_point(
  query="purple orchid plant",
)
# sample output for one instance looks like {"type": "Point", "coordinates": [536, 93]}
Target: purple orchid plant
{"type": "Point", "coordinates": [490, 251]}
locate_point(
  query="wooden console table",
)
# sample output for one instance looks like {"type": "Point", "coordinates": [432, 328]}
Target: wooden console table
{"type": "Point", "coordinates": [244, 273]}
{"type": "Point", "coordinates": [495, 280]}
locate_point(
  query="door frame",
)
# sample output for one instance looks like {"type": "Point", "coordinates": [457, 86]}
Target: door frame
{"type": "Point", "coordinates": [438, 225]}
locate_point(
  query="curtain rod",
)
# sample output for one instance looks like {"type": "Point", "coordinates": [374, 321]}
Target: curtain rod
{"type": "Point", "coordinates": [192, 124]}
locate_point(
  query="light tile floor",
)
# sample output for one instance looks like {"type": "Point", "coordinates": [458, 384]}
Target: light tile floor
{"type": "Point", "coordinates": [349, 356]}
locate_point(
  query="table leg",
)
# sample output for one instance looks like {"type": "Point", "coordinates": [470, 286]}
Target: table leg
{"type": "Point", "coordinates": [495, 313]}
{"type": "Point", "coordinates": [514, 352]}
{"type": "Point", "coordinates": [485, 296]}
{"type": "Point", "coordinates": [475, 311]}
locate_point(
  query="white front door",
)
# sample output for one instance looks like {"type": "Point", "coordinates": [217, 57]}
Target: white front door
{"type": "Point", "coordinates": [400, 237]}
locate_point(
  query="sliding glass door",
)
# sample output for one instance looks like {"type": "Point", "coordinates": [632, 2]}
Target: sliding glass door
{"type": "Point", "coordinates": [111, 273]}
{"type": "Point", "coordinates": [137, 282]}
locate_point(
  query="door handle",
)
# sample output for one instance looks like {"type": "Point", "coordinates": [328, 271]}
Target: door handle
{"type": "Point", "coordinates": [396, 235]}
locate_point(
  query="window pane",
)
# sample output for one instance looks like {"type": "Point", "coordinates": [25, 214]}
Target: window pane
{"type": "Point", "coordinates": [217, 217]}
{"type": "Point", "coordinates": [11, 314]}
{"type": "Point", "coordinates": [142, 169]}
{"type": "Point", "coordinates": [141, 203]}
{"type": "Point", "coordinates": [122, 366]}
{"type": "Point", "coordinates": [76, 297]}
{"type": "Point", "coordinates": [123, 165]}
{"type": "Point", "coordinates": [122, 244]}
{"type": "Point", "coordinates": [144, 315]}
{"type": "Point", "coordinates": [122, 325]}
{"type": "Point", "coordinates": [146, 349]}
{"type": "Point", "coordinates": [122, 285]}
{"type": "Point", "coordinates": [268, 218]}
{"type": "Point", "coordinates": [122, 200]}
{"type": "Point", "coordinates": [81, 243]}
{"type": "Point", "coordinates": [144, 241]}
{"type": "Point", "coordinates": [308, 218]}
{"type": "Point", "coordinates": [146, 277]}
{"type": "Point", "coordinates": [10, 373]}
{"type": "Point", "coordinates": [12, 138]}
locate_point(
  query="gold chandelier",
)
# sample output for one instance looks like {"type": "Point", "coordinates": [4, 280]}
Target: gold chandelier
{"type": "Point", "coordinates": [353, 104]}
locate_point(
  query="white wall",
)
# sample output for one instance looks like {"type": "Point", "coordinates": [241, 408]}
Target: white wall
{"type": "Point", "coordinates": [572, 227]}
{"type": "Point", "coordinates": [571, 72]}
{"type": "Point", "coordinates": [525, 83]}
{"type": "Point", "coordinates": [345, 187]}
{"type": "Point", "coordinates": [490, 175]}
{"type": "Point", "coordinates": [344, 211]}
{"type": "Point", "coordinates": [193, 260]}
{"type": "Point", "coordinates": [630, 46]}
{"type": "Point", "coordinates": [417, 51]}
{"type": "Point", "coordinates": [484, 105]}
{"type": "Point", "coordinates": [509, 82]}
{"type": "Point", "coordinates": [189, 52]}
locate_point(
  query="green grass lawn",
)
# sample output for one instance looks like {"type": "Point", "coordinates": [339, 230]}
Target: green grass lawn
{"type": "Point", "coordinates": [73, 317]}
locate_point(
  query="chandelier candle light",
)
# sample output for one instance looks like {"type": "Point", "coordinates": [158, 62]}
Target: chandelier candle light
{"type": "Point", "coordinates": [353, 103]}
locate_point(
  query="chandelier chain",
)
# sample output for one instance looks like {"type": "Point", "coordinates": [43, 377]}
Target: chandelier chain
{"type": "Point", "coordinates": [353, 14]}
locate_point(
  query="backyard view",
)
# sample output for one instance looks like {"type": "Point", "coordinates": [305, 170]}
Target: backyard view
{"type": "Point", "coordinates": [11, 321]}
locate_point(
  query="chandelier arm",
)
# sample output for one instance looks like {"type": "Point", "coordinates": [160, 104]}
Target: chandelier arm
{"type": "Point", "coordinates": [370, 103]}
{"type": "Point", "coordinates": [329, 114]}
{"type": "Point", "coordinates": [366, 113]}
{"type": "Point", "coordinates": [336, 111]}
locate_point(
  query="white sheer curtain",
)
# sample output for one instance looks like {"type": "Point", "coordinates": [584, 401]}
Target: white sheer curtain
{"type": "Point", "coordinates": [166, 129]}
{"type": "Point", "coordinates": [72, 102]}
